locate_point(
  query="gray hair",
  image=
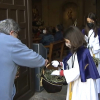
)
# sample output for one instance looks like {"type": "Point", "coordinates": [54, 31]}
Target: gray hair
{"type": "Point", "coordinates": [8, 25]}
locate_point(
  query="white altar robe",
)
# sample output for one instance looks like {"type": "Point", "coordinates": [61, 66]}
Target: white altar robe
{"type": "Point", "coordinates": [94, 48]}
{"type": "Point", "coordinates": [80, 90]}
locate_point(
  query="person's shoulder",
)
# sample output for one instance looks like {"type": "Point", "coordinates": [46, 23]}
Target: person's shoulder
{"type": "Point", "coordinates": [19, 45]}
{"type": "Point", "coordinates": [86, 50]}
{"type": "Point", "coordinates": [83, 50]}
{"type": "Point", "coordinates": [83, 53]}
{"type": "Point", "coordinates": [8, 38]}
{"type": "Point", "coordinates": [14, 40]}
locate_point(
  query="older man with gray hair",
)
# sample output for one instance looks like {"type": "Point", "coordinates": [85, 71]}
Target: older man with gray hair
{"type": "Point", "coordinates": [12, 53]}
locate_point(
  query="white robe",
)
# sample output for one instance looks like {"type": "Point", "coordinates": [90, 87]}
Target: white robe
{"type": "Point", "coordinates": [80, 90]}
{"type": "Point", "coordinates": [94, 48]}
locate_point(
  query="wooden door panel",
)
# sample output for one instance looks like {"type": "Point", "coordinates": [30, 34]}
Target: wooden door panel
{"type": "Point", "coordinates": [19, 2]}
{"type": "Point", "coordinates": [7, 2]}
{"type": "Point", "coordinates": [19, 11]}
{"type": "Point", "coordinates": [13, 14]}
{"type": "Point", "coordinates": [3, 13]}
{"type": "Point", "coordinates": [22, 18]}
{"type": "Point", "coordinates": [22, 84]}
{"type": "Point", "coordinates": [23, 36]}
{"type": "Point", "coordinates": [97, 11]}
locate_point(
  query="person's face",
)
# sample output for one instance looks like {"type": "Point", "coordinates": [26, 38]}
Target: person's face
{"type": "Point", "coordinates": [90, 20]}
{"type": "Point", "coordinates": [90, 23]}
{"type": "Point", "coordinates": [67, 43]}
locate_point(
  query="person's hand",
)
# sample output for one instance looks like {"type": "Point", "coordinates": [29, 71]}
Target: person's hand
{"type": "Point", "coordinates": [46, 62]}
{"type": "Point", "coordinates": [56, 72]}
{"type": "Point", "coordinates": [55, 63]}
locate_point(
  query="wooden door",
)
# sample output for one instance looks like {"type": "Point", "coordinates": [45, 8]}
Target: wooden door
{"type": "Point", "coordinates": [20, 11]}
{"type": "Point", "coordinates": [97, 11]}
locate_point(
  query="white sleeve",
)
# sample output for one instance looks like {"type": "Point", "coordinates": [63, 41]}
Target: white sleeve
{"type": "Point", "coordinates": [91, 39]}
{"type": "Point", "coordinates": [96, 46]}
{"type": "Point", "coordinates": [86, 38]}
{"type": "Point", "coordinates": [73, 73]}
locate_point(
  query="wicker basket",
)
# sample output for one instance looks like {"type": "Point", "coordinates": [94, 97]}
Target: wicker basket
{"type": "Point", "coordinates": [49, 85]}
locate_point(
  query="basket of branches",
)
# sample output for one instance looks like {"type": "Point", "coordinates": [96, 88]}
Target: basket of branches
{"type": "Point", "coordinates": [51, 83]}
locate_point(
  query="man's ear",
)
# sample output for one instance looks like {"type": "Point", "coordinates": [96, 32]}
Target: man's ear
{"type": "Point", "coordinates": [11, 32]}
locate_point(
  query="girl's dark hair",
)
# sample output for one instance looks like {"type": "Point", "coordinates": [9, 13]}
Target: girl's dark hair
{"type": "Point", "coordinates": [76, 38]}
{"type": "Point", "coordinates": [93, 17]}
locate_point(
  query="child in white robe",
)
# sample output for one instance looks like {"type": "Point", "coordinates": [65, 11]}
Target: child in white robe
{"type": "Point", "coordinates": [79, 68]}
{"type": "Point", "coordinates": [91, 34]}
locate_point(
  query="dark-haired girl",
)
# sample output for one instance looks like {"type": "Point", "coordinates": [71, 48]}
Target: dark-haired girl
{"type": "Point", "coordinates": [92, 37]}
{"type": "Point", "coordinates": [79, 68]}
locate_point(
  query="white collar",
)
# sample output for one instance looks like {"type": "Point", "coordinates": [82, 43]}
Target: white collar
{"type": "Point", "coordinates": [91, 32]}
